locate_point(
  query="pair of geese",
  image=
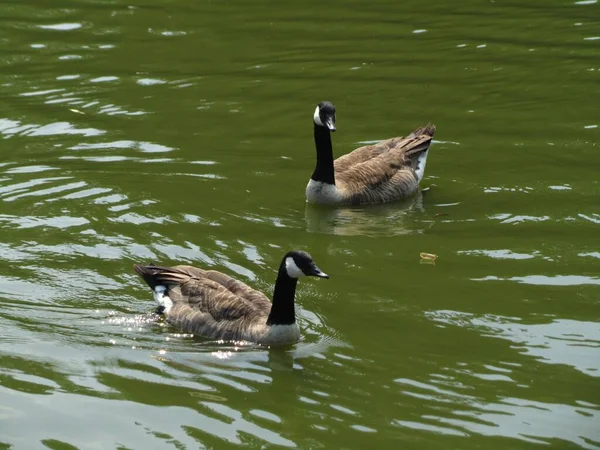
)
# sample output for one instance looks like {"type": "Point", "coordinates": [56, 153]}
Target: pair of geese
{"type": "Point", "coordinates": [214, 305]}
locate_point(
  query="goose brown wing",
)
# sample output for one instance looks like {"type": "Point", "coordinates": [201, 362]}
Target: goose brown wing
{"type": "Point", "coordinates": [387, 177]}
{"type": "Point", "coordinates": [377, 182]}
{"type": "Point", "coordinates": [360, 155]}
{"type": "Point", "coordinates": [210, 297]}
{"type": "Point", "coordinates": [231, 284]}
{"type": "Point", "coordinates": [190, 286]}
{"type": "Point", "coordinates": [370, 174]}
{"type": "Point", "coordinates": [416, 142]}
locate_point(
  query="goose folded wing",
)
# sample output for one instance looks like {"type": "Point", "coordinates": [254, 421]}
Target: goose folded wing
{"type": "Point", "coordinates": [240, 289]}
{"type": "Point", "coordinates": [364, 153]}
{"type": "Point", "coordinates": [379, 180]}
{"type": "Point", "coordinates": [415, 142]}
{"type": "Point", "coordinates": [231, 284]}
{"type": "Point", "coordinates": [371, 173]}
{"type": "Point", "coordinates": [189, 286]}
{"type": "Point", "coordinates": [211, 297]}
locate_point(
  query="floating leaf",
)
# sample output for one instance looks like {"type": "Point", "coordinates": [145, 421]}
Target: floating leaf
{"type": "Point", "coordinates": [428, 256]}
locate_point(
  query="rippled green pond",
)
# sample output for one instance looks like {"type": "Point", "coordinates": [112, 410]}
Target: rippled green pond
{"type": "Point", "coordinates": [181, 132]}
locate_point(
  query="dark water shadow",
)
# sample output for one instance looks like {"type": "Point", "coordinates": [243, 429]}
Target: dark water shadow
{"type": "Point", "coordinates": [391, 219]}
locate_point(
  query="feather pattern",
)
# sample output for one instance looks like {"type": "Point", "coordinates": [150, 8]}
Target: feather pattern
{"type": "Point", "coordinates": [212, 304]}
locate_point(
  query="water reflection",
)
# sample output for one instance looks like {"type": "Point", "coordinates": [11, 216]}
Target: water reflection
{"type": "Point", "coordinates": [392, 219]}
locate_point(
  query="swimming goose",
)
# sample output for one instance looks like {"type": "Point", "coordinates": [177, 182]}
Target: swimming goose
{"type": "Point", "coordinates": [214, 305]}
{"type": "Point", "coordinates": [387, 171]}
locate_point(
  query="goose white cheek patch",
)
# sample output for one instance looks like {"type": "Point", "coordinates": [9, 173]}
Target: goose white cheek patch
{"type": "Point", "coordinates": [316, 117]}
{"type": "Point", "coordinates": [292, 269]}
{"type": "Point", "coordinates": [162, 299]}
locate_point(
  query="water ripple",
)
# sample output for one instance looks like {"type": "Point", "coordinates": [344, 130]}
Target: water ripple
{"type": "Point", "coordinates": [560, 341]}
{"type": "Point", "coordinates": [12, 127]}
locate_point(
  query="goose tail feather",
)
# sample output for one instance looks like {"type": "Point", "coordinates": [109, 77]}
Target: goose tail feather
{"type": "Point", "coordinates": [427, 130]}
{"type": "Point", "coordinates": [158, 275]}
{"type": "Point", "coordinates": [148, 274]}
{"type": "Point", "coordinates": [418, 153]}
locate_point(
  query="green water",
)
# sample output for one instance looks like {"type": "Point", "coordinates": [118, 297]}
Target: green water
{"type": "Point", "coordinates": [195, 145]}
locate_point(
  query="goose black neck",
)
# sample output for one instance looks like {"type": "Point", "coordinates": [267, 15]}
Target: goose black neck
{"type": "Point", "coordinates": [324, 169]}
{"type": "Point", "coordinates": [283, 311]}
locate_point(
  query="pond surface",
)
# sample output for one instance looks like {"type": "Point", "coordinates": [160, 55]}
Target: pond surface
{"type": "Point", "coordinates": [181, 132]}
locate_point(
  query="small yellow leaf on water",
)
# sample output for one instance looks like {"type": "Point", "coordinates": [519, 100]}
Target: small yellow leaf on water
{"type": "Point", "coordinates": [428, 256]}
{"type": "Point", "coordinates": [76, 111]}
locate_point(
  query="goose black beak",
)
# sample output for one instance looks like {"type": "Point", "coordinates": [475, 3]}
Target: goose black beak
{"type": "Point", "coordinates": [330, 123]}
{"type": "Point", "coordinates": [319, 273]}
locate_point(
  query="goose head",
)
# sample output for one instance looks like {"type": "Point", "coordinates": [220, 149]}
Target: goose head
{"type": "Point", "coordinates": [325, 115]}
{"type": "Point", "coordinates": [300, 264]}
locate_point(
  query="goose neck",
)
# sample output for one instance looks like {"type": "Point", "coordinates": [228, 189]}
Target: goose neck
{"type": "Point", "coordinates": [283, 311]}
{"type": "Point", "coordinates": [324, 171]}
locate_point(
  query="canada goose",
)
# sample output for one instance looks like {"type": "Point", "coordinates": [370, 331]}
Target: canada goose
{"type": "Point", "coordinates": [214, 305]}
{"type": "Point", "coordinates": [379, 173]}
